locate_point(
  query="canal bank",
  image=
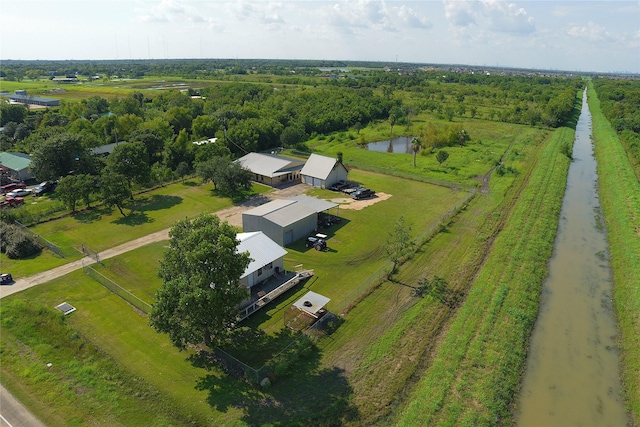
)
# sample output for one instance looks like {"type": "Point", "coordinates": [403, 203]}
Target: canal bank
{"type": "Point", "coordinates": [572, 373]}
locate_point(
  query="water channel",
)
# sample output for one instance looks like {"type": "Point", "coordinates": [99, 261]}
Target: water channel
{"type": "Point", "coordinates": [572, 374]}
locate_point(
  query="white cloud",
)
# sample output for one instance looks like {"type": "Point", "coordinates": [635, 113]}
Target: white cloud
{"type": "Point", "coordinates": [494, 15]}
{"type": "Point", "coordinates": [171, 11]}
{"type": "Point", "coordinates": [352, 16]}
{"type": "Point", "coordinates": [590, 32]}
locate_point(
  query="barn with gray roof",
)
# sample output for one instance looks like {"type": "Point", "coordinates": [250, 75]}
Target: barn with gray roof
{"type": "Point", "coordinates": [272, 169]}
{"type": "Point", "coordinates": [322, 171]}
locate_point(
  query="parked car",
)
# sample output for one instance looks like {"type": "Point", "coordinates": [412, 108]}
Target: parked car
{"type": "Point", "coordinates": [20, 192]}
{"type": "Point", "coordinates": [362, 193]}
{"type": "Point", "coordinates": [44, 187]}
{"type": "Point", "coordinates": [10, 187]}
{"type": "Point", "coordinates": [352, 188]}
{"type": "Point", "coordinates": [5, 279]}
{"type": "Point", "coordinates": [11, 202]}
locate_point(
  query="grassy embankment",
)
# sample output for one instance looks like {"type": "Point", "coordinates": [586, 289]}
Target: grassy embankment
{"type": "Point", "coordinates": [475, 375]}
{"type": "Point", "coordinates": [619, 192]}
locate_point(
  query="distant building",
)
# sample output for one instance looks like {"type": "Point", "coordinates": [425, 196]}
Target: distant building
{"type": "Point", "coordinates": [17, 165]}
{"type": "Point", "coordinates": [21, 97]}
{"type": "Point", "coordinates": [105, 150]}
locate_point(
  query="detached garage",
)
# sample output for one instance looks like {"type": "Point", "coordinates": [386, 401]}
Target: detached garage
{"type": "Point", "coordinates": [322, 171]}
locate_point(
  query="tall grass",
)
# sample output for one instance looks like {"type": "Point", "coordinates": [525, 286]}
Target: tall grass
{"type": "Point", "coordinates": [619, 192]}
{"type": "Point", "coordinates": [476, 372]}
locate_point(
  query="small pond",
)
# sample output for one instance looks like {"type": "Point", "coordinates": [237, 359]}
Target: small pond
{"type": "Point", "coordinates": [401, 144]}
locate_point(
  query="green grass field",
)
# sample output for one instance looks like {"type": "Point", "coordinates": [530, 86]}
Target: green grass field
{"type": "Point", "coordinates": [393, 360]}
{"type": "Point", "coordinates": [620, 197]}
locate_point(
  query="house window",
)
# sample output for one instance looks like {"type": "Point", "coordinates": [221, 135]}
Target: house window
{"type": "Point", "coordinates": [270, 266]}
{"type": "Point", "coordinates": [259, 272]}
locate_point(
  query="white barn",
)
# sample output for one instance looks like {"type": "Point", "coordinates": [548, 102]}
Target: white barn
{"type": "Point", "coordinates": [322, 171]}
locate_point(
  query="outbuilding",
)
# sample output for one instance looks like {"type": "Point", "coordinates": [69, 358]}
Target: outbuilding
{"type": "Point", "coordinates": [322, 171]}
{"type": "Point", "coordinates": [17, 165]}
{"type": "Point", "coordinates": [283, 221]}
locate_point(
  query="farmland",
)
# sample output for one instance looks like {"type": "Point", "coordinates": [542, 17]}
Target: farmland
{"type": "Point", "coordinates": [396, 358]}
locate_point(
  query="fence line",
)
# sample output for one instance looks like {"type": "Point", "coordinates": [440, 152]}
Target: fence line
{"type": "Point", "coordinates": [343, 306]}
{"type": "Point", "coordinates": [41, 240]}
{"type": "Point", "coordinates": [86, 251]}
{"type": "Point", "coordinates": [117, 289]}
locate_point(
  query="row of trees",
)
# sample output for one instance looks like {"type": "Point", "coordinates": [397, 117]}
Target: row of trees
{"type": "Point", "coordinates": [620, 103]}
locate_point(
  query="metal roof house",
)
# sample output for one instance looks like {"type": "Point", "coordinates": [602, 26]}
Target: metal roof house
{"type": "Point", "coordinates": [285, 221]}
{"type": "Point", "coordinates": [322, 171]}
{"type": "Point", "coordinates": [272, 169]}
{"type": "Point", "coordinates": [17, 164]}
{"type": "Point", "coordinates": [267, 257]}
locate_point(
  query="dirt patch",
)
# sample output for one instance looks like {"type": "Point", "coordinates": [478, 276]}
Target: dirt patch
{"type": "Point", "coordinates": [349, 203]}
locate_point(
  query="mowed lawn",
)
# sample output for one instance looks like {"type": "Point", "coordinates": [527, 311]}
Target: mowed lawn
{"type": "Point", "coordinates": [100, 228]}
{"type": "Point", "coordinates": [111, 324]}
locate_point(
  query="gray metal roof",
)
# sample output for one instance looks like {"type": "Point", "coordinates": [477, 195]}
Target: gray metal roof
{"type": "Point", "coordinates": [262, 250]}
{"type": "Point", "coordinates": [269, 165]}
{"type": "Point", "coordinates": [269, 207]}
{"type": "Point", "coordinates": [319, 166]}
{"type": "Point", "coordinates": [290, 214]}
{"type": "Point", "coordinates": [319, 205]}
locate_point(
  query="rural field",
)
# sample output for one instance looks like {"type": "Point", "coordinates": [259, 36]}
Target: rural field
{"type": "Point", "coordinates": [400, 351]}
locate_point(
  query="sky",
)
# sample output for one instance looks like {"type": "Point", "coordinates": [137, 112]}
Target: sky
{"type": "Point", "coordinates": [574, 35]}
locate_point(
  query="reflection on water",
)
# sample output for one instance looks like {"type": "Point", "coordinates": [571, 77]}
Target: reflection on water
{"type": "Point", "coordinates": [572, 368]}
{"type": "Point", "coordinates": [401, 144]}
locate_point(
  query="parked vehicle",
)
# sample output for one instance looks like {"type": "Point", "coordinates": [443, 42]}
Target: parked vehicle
{"type": "Point", "coordinates": [338, 186]}
{"type": "Point", "coordinates": [362, 193]}
{"type": "Point", "coordinates": [10, 187]}
{"type": "Point", "coordinates": [6, 279]}
{"type": "Point", "coordinates": [350, 189]}
{"type": "Point", "coordinates": [318, 242]}
{"type": "Point", "coordinates": [20, 192]}
{"type": "Point", "coordinates": [44, 187]}
{"type": "Point", "coordinates": [11, 202]}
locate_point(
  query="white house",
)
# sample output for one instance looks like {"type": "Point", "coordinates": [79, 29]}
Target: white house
{"type": "Point", "coordinates": [267, 257]}
{"type": "Point", "coordinates": [322, 171]}
{"type": "Point", "coordinates": [271, 169]}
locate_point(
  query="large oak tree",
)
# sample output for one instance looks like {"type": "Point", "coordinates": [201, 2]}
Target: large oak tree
{"type": "Point", "coordinates": [197, 301]}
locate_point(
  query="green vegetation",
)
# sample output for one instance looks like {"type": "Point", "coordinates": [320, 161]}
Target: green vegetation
{"type": "Point", "coordinates": [475, 374]}
{"type": "Point", "coordinates": [620, 198]}
{"type": "Point", "coordinates": [442, 341]}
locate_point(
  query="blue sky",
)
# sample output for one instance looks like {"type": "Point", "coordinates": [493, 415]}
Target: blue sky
{"type": "Point", "coordinates": [564, 35]}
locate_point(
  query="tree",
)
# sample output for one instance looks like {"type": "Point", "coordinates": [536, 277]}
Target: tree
{"type": "Point", "coordinates": [394, 115]}
{"type": "Point", "coordinates": [292, 135]}
{"type": "Point", "coordinates": [441, 156]}
{"type": "Point", "coordinates": [200, 271]}
{"type": "Point", "coordinates": [12, 113]}
{"type": "Point", "coordinates": [205, 126]}
{"type": "Point", "coordinates": [115, 189]}
{"type": "Point", "coordinates": [60, 155]}
{"type": "Point", "coordinates": [67, 191]}
{"type": "Point", "coordinates": [152, 140]}
{"type": "Point", "coordinates": [416, 145]}
{"type": "Point", "coordinates": [398, 241]}
{"type": "Point", "coordinates": [183, 170]}
{"type": "Point", "coordinates": [212, 170]}
{"type": "Point", "coordinates": [130, 160]}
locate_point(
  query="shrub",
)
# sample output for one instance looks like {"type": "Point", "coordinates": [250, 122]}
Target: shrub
{"type": "Point", "coordinates": [16, 243]}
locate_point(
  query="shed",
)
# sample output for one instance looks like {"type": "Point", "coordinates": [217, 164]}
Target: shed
{"type": "Point", "coordinates": [312, 303]}
{"type": "Point", "coordinates": [283, 221]}
{"type": "Point", "coordinates": [322, 171]}
{"type": "Point", "coordinates": [267, 257]}
{"type": "Point", "coordinates": [272, 169]}
{"type": "Point", "coordinates": [17, 165]}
